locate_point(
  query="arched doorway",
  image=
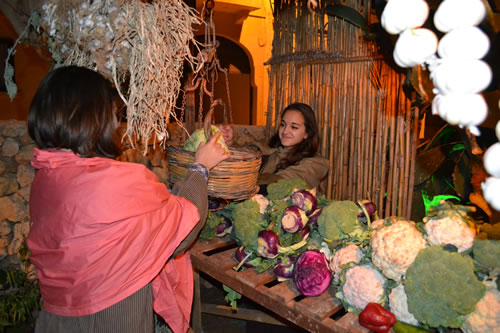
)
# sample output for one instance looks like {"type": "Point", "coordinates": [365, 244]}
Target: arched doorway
{"type": "Point", "coordinates": [233, 58]}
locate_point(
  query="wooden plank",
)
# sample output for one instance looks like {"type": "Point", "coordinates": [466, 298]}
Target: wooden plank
{"type": "Point", "coordinates": [223, 260]}
{"type": "Point", "coordinates": [284, 291]}
{"type": "Point", "coordinates": [202, 246]}
{"type": "Point", "coordinates": [322, 306]}
{"type": "Point", "coordinates": [251, 278]}
{"type": "Point", "coordinates": [350, 321]}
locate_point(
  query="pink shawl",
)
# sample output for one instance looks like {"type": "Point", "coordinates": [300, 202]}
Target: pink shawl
{"type": "Point", "coordinates": [101, 230]}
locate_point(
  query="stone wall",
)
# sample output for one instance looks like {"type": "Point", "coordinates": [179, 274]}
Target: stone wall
{"type": "Point", "coordinates": [16, 176]}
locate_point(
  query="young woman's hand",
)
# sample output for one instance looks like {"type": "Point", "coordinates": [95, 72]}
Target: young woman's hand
{"type": "Point", "coordinates": [227, 134]}
{"type": "Point", "coordinates": [211, 153]}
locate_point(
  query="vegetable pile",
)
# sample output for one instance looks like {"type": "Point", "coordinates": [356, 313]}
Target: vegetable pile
{"type": "Point", "coordinates": [393, 272]}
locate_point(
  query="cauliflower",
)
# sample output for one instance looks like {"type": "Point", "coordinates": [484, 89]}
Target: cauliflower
{"type": "Point", "coordinates": [261, 200]}
{"type": "Point", "coordinates": [398, 303]}
{"type": "Point", "coordinates": [361, 284]}
{"type": "Point", "coordinates": [441, 287]}
{"type": "Point", "coordinates": [449, 224]}
{"type": "Point", "coordinates": [486, 317]}
{"type": "Point", "coordinates": [395, 246]}
{"type": "Point", "coordinates": [350, 253]}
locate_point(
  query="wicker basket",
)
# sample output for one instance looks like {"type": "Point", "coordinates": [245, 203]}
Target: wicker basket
{"type": "Point", "coordinates": [234, 178]}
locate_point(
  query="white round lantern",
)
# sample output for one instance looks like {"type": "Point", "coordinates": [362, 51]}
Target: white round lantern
{"type": "Point", "coordinates": [491, 191]}
{"type": "Point", "coordinates": [464, 43]}
{"type": "Point", "coordinates": [461, 76]}
{"type": "Point", "coordinates": [492, 160]}
{"type": "Point", "coordinates": [414, 46]}
{"type": "Point", "coordinates": [452, 14]}
{"type": "Point", "coordinates": [399, 15]}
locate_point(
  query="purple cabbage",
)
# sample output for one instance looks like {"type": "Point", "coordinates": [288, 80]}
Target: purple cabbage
{"type": "Point", "coordinates": [267, 244]}
{"type": "Point", "coordinates": [305, 200]}
{"type": "Point", "coordinates": [284, 267]}
{"type": "Point", "coordinates": [311, 274]}
{"type": "Point", "coordinates": [293, 219]}
{"type": "Point", "coordinates": [370, 207]}
{"type": "Point", "coordinates": [224, 228]}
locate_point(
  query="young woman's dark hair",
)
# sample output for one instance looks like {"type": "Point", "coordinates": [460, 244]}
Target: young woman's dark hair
{"type": "Point", "coordinates": [309, 146]}
{"type": "Point", "coordinates": [73, 109]}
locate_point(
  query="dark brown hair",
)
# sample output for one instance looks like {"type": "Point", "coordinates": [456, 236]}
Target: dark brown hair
{"type": "Point", "coordinates": [307, 147]}
{"type": "Point", "coordinates": [73, 109]}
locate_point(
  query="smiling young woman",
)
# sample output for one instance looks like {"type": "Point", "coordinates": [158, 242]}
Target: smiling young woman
{"type": "Point", "coordinates": [294, 149]}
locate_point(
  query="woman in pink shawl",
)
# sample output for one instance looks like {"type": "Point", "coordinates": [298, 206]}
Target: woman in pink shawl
{"type": "Point", "coordinates": [108, 240]}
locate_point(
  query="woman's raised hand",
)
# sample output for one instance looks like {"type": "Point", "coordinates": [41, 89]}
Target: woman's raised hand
{"type": "Point", "coordinates": [211, 153]}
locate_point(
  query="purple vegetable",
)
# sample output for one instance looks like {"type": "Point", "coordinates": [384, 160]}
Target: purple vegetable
{"type": "Point", "coordinates": [368, 205]}
{"type": "Point", "coordinates": [212, 204]}
{"type": "Point", "coordinates": [305, 231]}
{"type": "Point", "coordinates": [241, 254]}
{"type": "Point", "coordinates": [311, 274]}
{"type": "Point", "coordinates": [305, 200]}
{"type": "Point", "coordinates": [293, 219]}
{"type": "Point", "coordinates": [284, 267]}
{"type": "Point", "coordinates": [267, 244]}
{"type": "Point", "coordinates": [224, 228]}
{"type": "Point", "coordinates": [313, 218]}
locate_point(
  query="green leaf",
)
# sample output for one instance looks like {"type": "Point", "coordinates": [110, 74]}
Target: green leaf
{"type": "Point", "coordinates": [231, 297]}
{"type": "Point", "coordinates": [9, 81]}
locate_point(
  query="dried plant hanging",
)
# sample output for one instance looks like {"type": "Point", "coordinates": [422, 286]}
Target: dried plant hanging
{"type": "Point", "coordinates": [140, 46]}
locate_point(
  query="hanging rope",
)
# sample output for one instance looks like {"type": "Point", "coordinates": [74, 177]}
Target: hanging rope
{"type": "Point", "coordinates": [207, 71]}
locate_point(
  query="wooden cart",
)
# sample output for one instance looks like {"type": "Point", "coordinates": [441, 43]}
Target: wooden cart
{"type": "Point", "coordinates": [323, 313]}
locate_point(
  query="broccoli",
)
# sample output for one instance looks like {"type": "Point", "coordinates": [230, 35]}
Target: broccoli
{"type": "Point", "coordinates": [338, 221]}
{"type": "Point", "coordinates": [210, 228]}
{"type": "Point", "coordinates": [284, 187]}
{"type": "Point", "coordinates": [247, 222]}
{"type": "Point", "coordinates": [441, 287]}
{"type": "Point", "coordinates": [487, 253]}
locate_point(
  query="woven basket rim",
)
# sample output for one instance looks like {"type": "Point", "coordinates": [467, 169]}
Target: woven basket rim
{"type": "Point", "coordinates": [234, 178]}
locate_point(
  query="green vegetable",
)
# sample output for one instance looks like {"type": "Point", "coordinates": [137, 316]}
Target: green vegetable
{"type": "Point", "coordinates": [487, 253]}
{"type": "Point", "coordinates": [441, 287]}
{"type": "Point", "coordinates": [247, 222]}
{"type": "Point", "coordinates": [401, 327]}
{"type": "Point", "coordinates": [339, 221]}
{"type": "Point", "coordinates": [198, 136]}
{"type": "Point", "coordinates": [210, 229]}
{"type": "Point", "coordinates": [231, 296]}
{"type": "Point", "coordinates": [284, 187]}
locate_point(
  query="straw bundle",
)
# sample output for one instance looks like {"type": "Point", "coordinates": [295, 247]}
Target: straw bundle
{"type": "Point", "coordinates": [367, 126]}
{"type": "Point", "coordinates": [140, 46]}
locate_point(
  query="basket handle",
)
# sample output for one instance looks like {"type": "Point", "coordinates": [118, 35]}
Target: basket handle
{"type": "Point", "coordinates": [208, 117]}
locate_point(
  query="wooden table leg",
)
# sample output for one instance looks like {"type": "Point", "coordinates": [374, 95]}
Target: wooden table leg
{"type": "Point", "coordinates": [196, 311]}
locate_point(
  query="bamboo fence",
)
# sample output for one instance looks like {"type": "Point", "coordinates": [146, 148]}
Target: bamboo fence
{"type": "Point", "coordinates": [368, 127]}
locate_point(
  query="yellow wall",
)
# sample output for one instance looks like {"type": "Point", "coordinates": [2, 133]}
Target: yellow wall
{"type": "Point", "coordinates": [248, 23]}
{"type": "Point", "coordinates": [30, 68]}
